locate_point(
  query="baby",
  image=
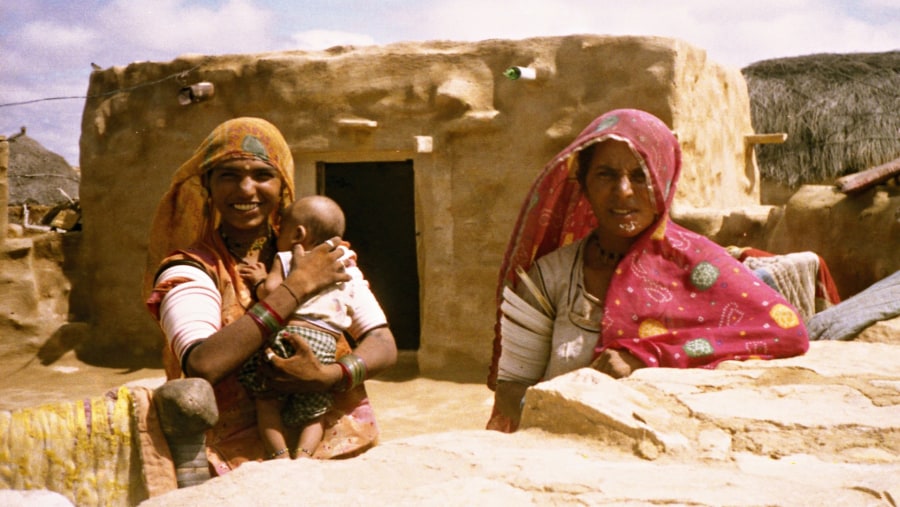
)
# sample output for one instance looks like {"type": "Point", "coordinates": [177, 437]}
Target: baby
{"type": "Point", "coordinates": [321, 321]}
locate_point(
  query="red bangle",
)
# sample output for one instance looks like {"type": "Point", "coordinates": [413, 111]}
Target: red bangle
{"type": "Point", "coordinates": [261, 325]}
{"type": "Point", "coordinates": [278, 318]}
{"type": "Point", "coordinates": [346, 378]}
{"type": "Point", "coordinates": [267, 320]}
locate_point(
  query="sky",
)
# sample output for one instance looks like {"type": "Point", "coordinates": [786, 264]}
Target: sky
{"type": "Point", "coordinates": [47, 47]}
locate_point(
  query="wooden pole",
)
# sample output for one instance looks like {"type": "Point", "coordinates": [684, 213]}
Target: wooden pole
{"type": "Point", "coordinates": [870, 177]}
{"type": "Point", "coordinates": [765, 138]}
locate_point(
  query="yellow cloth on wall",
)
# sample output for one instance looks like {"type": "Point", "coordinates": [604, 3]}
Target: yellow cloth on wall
{"type": "Point", "coordinates": [82, 450]}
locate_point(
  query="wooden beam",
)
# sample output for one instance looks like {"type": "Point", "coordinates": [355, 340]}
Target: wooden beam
{"type": "Point", "coordinates": [869, 178]}
{"type": "Point", "coordinates": [765, 138]}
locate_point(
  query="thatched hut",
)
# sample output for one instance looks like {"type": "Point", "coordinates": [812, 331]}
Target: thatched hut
{"type": "Point", "coordinates": [37, 176]}
{"type": "Point", "coordinates": [40, 183]}
{"type": "Point", "coordinates": [841, 113]}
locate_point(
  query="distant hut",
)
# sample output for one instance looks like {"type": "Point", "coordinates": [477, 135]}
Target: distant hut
{"type": "Point", "coordinates": [37, 176]}
{"type": "Point", "coordinates": [841, 113]}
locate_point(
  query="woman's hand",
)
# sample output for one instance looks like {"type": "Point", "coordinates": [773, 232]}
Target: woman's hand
{"type": "Point", "coordinates": [300, 373]}
{"type": "Point", "coordinates": [319, 268]}
{"type": "Point", "coordinates": [617, 363]}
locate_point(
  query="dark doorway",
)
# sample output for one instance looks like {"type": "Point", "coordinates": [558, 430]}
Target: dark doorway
{"type": "Point", "coordinates": [378, 201]}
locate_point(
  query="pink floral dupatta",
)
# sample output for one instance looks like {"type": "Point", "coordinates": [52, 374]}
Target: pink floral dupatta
{"type": "Point", "coordinates": [676, 299]}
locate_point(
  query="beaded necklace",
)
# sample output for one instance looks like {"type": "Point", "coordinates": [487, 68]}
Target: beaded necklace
{"type": "Point", "coordinates": [234, 247]}
{"type": "Point", "coordinates": [603, 255]}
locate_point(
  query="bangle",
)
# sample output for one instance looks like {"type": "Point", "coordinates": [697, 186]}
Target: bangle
{"type": "Point", "coordinates": [293, 295]}
{"type": "Point", "coordinates": [267, 320]}
{"type": "Point", "coordinates": [278, 318]}
{"type": "Point", "coordinates": [353, 372]}
{"type": "Point", "coordinates": [341, 385]}
{"type": "Point", "coordinates": [256, 288]}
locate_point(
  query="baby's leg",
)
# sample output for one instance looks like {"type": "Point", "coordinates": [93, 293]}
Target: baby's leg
{"type": "Point", "coordinates": [310, 437]}
{"type": "Point", "coordinates": [271, 428]}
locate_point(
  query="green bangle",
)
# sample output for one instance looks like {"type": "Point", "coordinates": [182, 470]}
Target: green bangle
{"type": "Point", "coordinates": [353, 372]}
{"type": "Point", "coordinates": [267, 322]}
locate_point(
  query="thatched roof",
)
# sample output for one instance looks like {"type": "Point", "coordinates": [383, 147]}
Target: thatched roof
{"type": "Point", "coordinates": [36, 175]}
{"type": "Point", "coordinates": [841, 113]}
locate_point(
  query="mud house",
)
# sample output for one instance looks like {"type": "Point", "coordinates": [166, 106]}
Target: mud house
{"type": "Point", "coordinates": [429, 146]}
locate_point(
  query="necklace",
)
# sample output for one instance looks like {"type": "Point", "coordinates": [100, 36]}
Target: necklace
{"type": "Point", "coordinates": [605, 256]}
{"type": "Point", "coordinates": [234, 247]}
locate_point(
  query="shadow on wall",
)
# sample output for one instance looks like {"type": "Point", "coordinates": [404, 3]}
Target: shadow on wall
{"type": "Point", "coordinates": [43, 307]}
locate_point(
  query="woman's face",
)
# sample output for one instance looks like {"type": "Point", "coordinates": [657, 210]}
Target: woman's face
{"type": "Point", "coordinates": [245, 192]}
{"type": "Point", "coordinates": [618, 190]}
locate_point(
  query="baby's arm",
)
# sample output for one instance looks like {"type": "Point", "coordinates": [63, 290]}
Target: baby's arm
{"type": "Point", "coordinates": [272, 281]}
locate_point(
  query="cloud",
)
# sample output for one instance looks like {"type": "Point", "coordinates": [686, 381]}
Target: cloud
{"type": "Point", "coordinates": [164, 29]}
{"type": "Point", "coordinates": [50, 57]}
{"type": "Point", "coordinates": [42, 47]}
{"type": "Point", "coordinates": [479, 19]}
{"type": "Point", "coordinates": [53, 36]}
{"type": "Point", "coordinates": [733, 33]}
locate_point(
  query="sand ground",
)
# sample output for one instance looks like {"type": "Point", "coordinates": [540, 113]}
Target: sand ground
{"type": "Point", "coordinates": [406, 404]}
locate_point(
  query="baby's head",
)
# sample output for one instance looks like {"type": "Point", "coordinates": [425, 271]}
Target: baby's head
{"type": "Point", "coordinates": [309, 221]}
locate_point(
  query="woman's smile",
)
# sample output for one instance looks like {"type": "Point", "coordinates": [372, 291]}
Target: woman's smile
{"type": "Point", "coordinates": [250, 206]}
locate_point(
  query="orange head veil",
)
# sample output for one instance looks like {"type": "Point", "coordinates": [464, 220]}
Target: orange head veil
{"type": "Point", "coordinates": [184, 215]}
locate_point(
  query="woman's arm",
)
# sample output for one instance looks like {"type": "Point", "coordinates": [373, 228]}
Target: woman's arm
{"type": "Point", "coordinates": [224, 351]}
{"type": "Point", "coordinates": [508, 400]}
{"type": "Point", "coordinates": [378, 350]}
{"type": "Point", "coordinates": [517, 372]}
{"type": "Point", "coordinates": [303, 372]}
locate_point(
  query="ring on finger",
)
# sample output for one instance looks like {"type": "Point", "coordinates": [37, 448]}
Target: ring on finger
{"type": "Point", "coordinates": [269, 355]}
{"type": "Point", "coordinates": [331, 245]}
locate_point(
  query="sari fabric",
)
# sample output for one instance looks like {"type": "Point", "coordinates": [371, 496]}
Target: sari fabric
{"type": "Point", "coordinates": [185, 230]}
{"type": "Point", "coordinates": [676, 299]}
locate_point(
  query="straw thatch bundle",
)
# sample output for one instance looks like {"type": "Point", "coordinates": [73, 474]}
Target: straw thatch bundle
{"type": "Point", "coordinates": [841, 113]}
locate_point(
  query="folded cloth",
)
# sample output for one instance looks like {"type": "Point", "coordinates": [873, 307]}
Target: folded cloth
{"type": "Point", "coordinates": [793, 275]}
{"type": "Point", "coordinates": [85, 449]}
{"type": "Point", "coordinates": [826, 294]}
{"type": "Point", "coordinates": [844, 321]}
